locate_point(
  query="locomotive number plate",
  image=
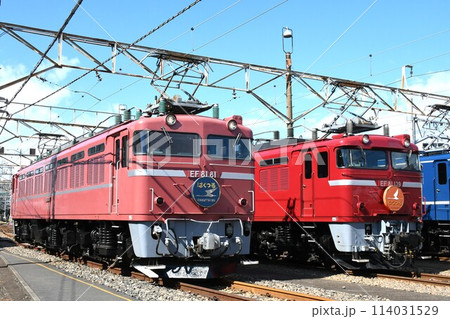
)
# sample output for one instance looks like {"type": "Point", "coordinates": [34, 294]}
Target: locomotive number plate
{"type": "Point", "coordinates": [196, 174]}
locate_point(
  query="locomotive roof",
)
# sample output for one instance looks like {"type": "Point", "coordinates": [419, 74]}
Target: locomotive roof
{"type": "Point", "coordinates": [376, 141]}
{"type": "Point", "coordinates": [436, 154]}
{"type": "Point", "coordinates": [290, 141]}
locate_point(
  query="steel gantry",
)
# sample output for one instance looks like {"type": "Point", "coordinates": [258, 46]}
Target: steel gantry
{"type": "Point", "coordinates": [314, 95]}
{"type": "Point", "coordinates": [166, 69]}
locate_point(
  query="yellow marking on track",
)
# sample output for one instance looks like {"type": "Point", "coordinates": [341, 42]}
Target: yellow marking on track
{"type": "Point", "coordinates": [67, 276]}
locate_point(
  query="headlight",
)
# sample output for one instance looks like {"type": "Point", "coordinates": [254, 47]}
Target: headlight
{"type": "Point", "coordinates": [171, 119]}
{"type": "Point", "coordinates": [406, 142]}
{"type": "Point", "coordinates": [365, 139]}
{"type": "Point", "coordinates": [232, 125]}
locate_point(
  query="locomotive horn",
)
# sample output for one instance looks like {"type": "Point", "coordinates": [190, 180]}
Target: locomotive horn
{"type": "Point", "coordinates": [349, 127]}
{"type": "Point", "coordinates": [386, 130]}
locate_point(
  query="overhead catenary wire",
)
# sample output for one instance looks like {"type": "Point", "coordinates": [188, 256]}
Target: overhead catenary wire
{"type": "Point", "coordinates": [413, 63]}
{"type": "Point", "coordinates": [134, 82]}
{"type": "Point", "coordinates": [164, 45]}
{"type": "Point", "coordinates": [97, 103]}
{"type": "Point", "coordinates": [323, 53]}
{"type": "Point", "coordinates": [335, 41]}
{"type": "Point", "coordinates": [66, 22]}
{"type": "Point", "coordinates": [383, 51]}
{"type": "Point", "coordinates": [392, 69]}
{"type": "Point", "coordinates": [241, 25]}
{"type": "Point", "coordinates": [194, 27]}
{"type": "Point", "coordinates": [120, 51]}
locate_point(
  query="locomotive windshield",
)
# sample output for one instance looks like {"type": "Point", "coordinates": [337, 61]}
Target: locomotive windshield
{"type": "Point", "coordinates": [361, 158]}
{"type": "Point", "coordinates": [376, 159]}
{"type": "Point", "coordinates": [405, 161]}
{"type": "Point", "coordinates": [166, 144]}
{"type": "Point", "coordinates": [228, 147]}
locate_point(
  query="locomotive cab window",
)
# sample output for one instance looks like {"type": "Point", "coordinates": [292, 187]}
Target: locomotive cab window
{"type": "Point", "coordinates": [405, 161]}
{"type": "Point", "coordinates": [361, 158]}
{"type": "Point", "coordinates": [228, 147]}
{"type": "Point", "coordinates": [166, 144]}
{"type": "Point", "coordinates": [322, 165]}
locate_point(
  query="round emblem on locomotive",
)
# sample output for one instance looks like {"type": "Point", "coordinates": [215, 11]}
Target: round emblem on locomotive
{"type": "Point", "coordinates": [393, 198]}
{"type": "Point", "coordinates": [205, 191]}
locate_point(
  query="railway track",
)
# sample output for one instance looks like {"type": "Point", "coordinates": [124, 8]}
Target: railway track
{"type": "Point", "coordinates": [238, 286]}
{"type": "Point", "coordinates": [218, 294]}
{"type": "Point", "coordinates": [422, 278]}
{"type": "Point", "coordinates": [267, 292]}
{"type": "Point", "coordinates": [273, 292]}
{"type": "Point", "coordinates": [6, 229]}
{"type": "Point", "coordinates": [433, 278]}
{"type": "Point", "coordinates": [426, 279]}
{"type": "Point", "coordinates": [211, 293]}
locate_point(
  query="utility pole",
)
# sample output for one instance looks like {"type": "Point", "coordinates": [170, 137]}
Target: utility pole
{"type": "Point", "coordinates": [288, 35]}
{"type": "Point", "coordinates": [404, 85]}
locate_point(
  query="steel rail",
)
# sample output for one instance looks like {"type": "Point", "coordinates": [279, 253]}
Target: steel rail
{"type": "Point", "coordinates": [434, 277]}
{"type": "Point", "coordinates": [211, 293]}
{"type": "Point", "coordinates": [426, 279]}
{"type": "Point", "coordinates": [275, 293]}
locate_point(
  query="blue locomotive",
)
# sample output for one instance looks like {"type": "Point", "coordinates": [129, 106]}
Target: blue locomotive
{"type": "Point", "coordinates": [436, 200]}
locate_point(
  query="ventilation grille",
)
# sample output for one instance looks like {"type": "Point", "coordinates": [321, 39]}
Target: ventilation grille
{"type": "Point", "coordinates": [275, 179]}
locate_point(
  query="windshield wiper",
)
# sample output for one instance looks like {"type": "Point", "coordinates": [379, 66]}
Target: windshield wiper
{"type": "Point", "coordinates": [169, 139]}
{"type": "Point", "coordinates": [238, 138]}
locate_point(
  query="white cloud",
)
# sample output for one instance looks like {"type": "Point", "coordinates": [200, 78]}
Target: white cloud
{"type": "Point", "coordinates": [32, 92]}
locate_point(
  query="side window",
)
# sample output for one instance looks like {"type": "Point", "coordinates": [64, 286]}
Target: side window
{"type": "Point", "coordinates": [442, 173]}
{"type": "Point", "coordinates": [322, 164]}
{"type": "Point", "coordinates": [308, 166]}
{"type": "Point", "coordinates": [117, 159]}
{"type": "Point", "coordinates": [340, 158]}
{"type": "Point", "coordinates": [125, 151]}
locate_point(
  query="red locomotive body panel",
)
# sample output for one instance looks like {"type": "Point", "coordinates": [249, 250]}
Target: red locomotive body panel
{"type": "Point", "coordinates": [95, 188]}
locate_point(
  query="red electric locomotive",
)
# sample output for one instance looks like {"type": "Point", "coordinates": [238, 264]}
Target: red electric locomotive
{"type": "Point", "coordinates": [171, 194]}
{"type": "Point", "coordinates": [354, 199]}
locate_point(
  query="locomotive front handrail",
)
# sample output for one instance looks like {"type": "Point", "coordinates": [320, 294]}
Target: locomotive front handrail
{"type": "Point", "coordinates": [152, 199]}
{"type": "Point", "coordinates": [424, 203]}
{"type": "Point", "coordinates": [253, 201]}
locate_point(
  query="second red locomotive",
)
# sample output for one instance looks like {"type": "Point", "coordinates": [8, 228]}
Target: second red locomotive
{"type": "Point", "coordinates": [352, 198]}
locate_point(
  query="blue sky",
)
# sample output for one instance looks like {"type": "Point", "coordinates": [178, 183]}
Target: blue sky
{"type": "Point", "coordinates": [332, 38]}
